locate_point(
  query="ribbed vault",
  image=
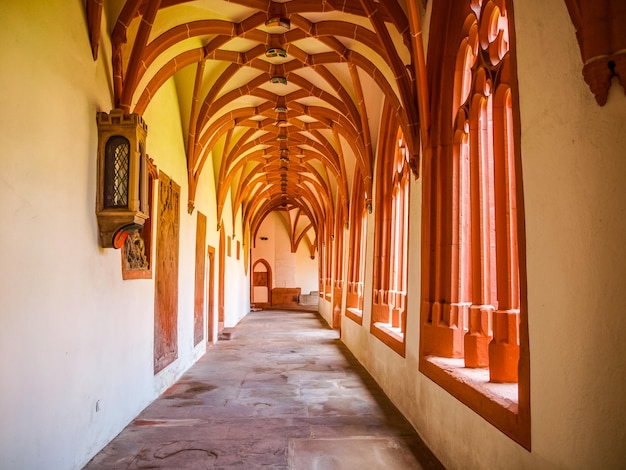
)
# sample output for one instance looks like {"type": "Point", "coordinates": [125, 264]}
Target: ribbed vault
{"type": "Point", "coordinates": [282, 97]}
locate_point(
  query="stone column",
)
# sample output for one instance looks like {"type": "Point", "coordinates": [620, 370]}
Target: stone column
{"type": "Point", "coordinates": [482, 237]}
{"type": "Point", "coordinates": [504, 349]}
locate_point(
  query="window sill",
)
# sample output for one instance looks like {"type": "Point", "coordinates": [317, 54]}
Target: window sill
{"type": "Point", "coordinates": [355, 315]}
{"type": "Point", "coordinates": [504, 394]}
{"type": "Point", "coordinates": [499, 404]}
{"type": "Point", "coordinates": [391, 336]}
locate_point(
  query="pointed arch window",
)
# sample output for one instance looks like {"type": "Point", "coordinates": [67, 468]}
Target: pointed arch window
{"type": "Point", "coordinates": [356, 260]}
{"type": "Point", "coordinates": [391, 240]}
{"type": "Point", "coordinates": [473, 335]}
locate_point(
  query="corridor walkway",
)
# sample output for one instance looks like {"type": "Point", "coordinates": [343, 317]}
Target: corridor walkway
{"type": "Point", "coordinates": [282, 393]}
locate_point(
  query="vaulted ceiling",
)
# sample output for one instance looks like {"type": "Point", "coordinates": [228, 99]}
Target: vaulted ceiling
{"type": "Point", "coordinates": [282, 97]}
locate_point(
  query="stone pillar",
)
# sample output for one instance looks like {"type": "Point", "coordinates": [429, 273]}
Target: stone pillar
{"type": "Point", "coordinates": [478, 337]}
{"type": "Point", "coordinates": [504, 349]}
{"type": "Point", "coordinates": [444, 332]}
{"type": "Point", "coordinates": [482, 230]}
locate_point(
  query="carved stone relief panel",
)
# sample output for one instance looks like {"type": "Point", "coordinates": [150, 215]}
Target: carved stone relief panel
{"type": "Point", "coordinates": [136, 252]}
{"type": "Point", "coordinates": [166, 274]}
{"type": "Point", "coordinates": [135, 257]}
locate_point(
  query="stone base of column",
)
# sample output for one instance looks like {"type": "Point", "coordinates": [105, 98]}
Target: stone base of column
{"type": "Point", "coordinates": [443, 334]}
{"type": "Point", "coordinates": [503, 361]}
{"type": "Point", "coordinates": [395, 317]}
{"type": "Point", "coordinates": [478, 337]}
{"type": "Point", "coordinates": [504, 349]}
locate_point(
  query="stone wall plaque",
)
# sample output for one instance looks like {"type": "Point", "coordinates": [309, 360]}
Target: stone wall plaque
{"type": "Point", "coordinates": [166, 274]}
{"type": "Point", "coordinates": [260, 278]}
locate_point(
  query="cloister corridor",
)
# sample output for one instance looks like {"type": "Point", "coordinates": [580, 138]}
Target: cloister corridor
{"type": "Point", "coordinates": [313, 234]}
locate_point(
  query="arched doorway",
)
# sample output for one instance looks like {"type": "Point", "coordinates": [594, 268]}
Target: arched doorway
{"type": "Point", "coordinates": [261, 288]}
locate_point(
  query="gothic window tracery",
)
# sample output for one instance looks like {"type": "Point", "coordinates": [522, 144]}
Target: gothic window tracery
{"type": "Point", "coordinates": [358, 236]}
{"type": "Point", "coordinates": [391, 241]}
{"type": "Point", "coordinates": [471, 305]}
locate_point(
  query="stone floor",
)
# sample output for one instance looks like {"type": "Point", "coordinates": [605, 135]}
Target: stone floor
{"type": "Point", "coordinates": [282, 393]}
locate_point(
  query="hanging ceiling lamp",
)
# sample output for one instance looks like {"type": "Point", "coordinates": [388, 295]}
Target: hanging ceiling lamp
{"type": "Point", "coordinates": [278, 79]}
{"type": "Point", "coordinates": [275, 52]}
{"type": "Point", "coordinates": [278, 21]}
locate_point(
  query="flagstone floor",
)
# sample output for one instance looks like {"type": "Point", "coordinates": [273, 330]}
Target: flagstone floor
{"type": "Point", "coordinates": [282, 393]}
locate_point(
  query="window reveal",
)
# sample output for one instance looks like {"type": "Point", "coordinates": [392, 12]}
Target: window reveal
{"type": "Point", "coordinates": [471, 288]}
{"type": "Point", "coordinates": [391, 237]}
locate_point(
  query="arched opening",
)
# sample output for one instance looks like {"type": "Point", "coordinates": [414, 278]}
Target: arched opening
{"type": "Point", "coordinates": [261, 288]}
{"type": "Point", "coordinates": [473, 325]}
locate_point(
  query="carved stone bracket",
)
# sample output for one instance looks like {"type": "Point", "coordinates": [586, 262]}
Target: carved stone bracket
{"type": "Point", "coordinates": [602, 40]}
{"type": "Point", "coordinates": [599, 71]}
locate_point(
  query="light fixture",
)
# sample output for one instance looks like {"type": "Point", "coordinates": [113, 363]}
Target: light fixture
{"type": "Point", "coordinates": [278, 79]}
{"type": "Point", "coordinates": [279, 21]}
{"type": "Point", "coordinates": [122, 197]}
{"type": "Point", "coordinates": [275, 52]}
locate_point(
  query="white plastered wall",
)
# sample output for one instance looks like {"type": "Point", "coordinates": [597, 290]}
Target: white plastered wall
{"type": "Point", "coordinates": [236, 281]}
{"type": "Point", "coordinates": [574, 166]}
{"type": "Point", "coordinates": [574, 171]}
{"type": "Point", "coordinates": [76, 341]}
{"type": "Point", "coordinates": [284, 260]}
{"type": "Point", "coordinates": [307, 272]}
